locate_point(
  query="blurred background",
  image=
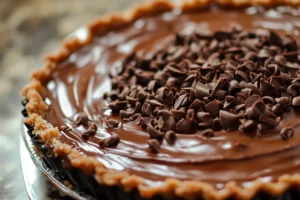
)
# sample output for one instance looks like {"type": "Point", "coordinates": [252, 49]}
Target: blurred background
{"type": "Point", "coordinates": [28, 30]}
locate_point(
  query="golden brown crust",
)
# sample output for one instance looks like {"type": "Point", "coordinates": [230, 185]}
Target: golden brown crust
{"type": "Point", "coordinates": [267, 3]}
{"type": "Point", "coordinates": [36, 108]}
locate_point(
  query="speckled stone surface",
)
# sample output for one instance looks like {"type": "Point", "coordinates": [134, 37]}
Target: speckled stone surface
{"type": "Point", "coordinates": [28, 30]}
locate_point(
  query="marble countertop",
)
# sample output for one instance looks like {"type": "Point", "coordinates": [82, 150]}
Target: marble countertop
{"type": "Point", "coordinates": [28, 30]}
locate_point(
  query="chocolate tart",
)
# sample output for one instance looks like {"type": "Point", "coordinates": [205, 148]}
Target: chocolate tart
{"type": "Point", "coordinates": [198, 100]}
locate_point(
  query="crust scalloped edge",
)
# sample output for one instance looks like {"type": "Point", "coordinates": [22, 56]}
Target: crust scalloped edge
{"type": "Point", "coordinates": [36, 108]}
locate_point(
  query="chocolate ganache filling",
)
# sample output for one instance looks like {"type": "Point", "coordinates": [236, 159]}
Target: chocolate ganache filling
{"type": "Point", "coordinates": [209, 96]}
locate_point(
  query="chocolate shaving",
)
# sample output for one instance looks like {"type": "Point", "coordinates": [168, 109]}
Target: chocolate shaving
{"type": "Point", "coordinates": [208, 133]}
{"type": "Point", "coordinates": [154, 133]}
{"type": "Point", "coordinates": [137, 119]}
{"type": "Point", "coordinates": [201, 90]}
{"type": "Point", "coordinates": [296, 101]}
{"type": "Point", "coordinates": [146, 121]}
{"type": "Point", "coordinates": [142, 95]}
{"type": "Point", "coordinates": [287, 133]}
{"type": "Point", "coordinates": [112, 123]}
{"type": "Point", "coordinates": [154, 146]}
{"type": "Point", "coordinates": [213, 108]}
{"type": "Point", "coordinates": [126, 114]}
{"type": "Point", "coordinates": [170, 137]}
{"type": "Point", "coordinates": [222, 35]}
{"type": "Point", "coordinates": [129, 119]}
{"type": "Point", "coordinates": [155, 103]}
{"type": "Point", "coordinates": [184, 125]}
{"type": "Point", "coordinates": [196, 105]}
{"type": "Point", "coordinates": [86, 134]}
{"type": "Point", "coordinates": [275, 39]}
{"type": "Point", "coordinates": [284, 102]}
{"type": "Point", "coordinates": [267, 120]}
{"type": "Point", "coordinates": [217, 87]}
{"type": "Point", "coordinates": [92, 126]}
{"type": "Point", "coordinates": [81, 119]}
{"type": "Point", "coordinates": [180, 101]}
{"type": "Point", "coordinates": [247, 126]}
{"type": "Point", "coordinates": [262, 128]}
{"type": "Point", "coordinates": [251, 100]}
{"type": "Point", "coordinates": [111, 141]}
{"type": "Point", "coordinates": [228, 119]}
{"type": "Point", "coordinates": [169, 120]}
{"type": "Point", "coordinates": [216, 124]}
{"type": "Point", "coordinates": [147, 109]}
{"type": "Point", "coordinates": [228, 80]}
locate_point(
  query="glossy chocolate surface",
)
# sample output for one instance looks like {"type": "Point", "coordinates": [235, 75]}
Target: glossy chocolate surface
{"type": "Point", "coordinates": [79, 83]}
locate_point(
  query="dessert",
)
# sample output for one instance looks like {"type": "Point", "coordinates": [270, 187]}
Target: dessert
{"type": "Point", "coordinates": [192, 101]}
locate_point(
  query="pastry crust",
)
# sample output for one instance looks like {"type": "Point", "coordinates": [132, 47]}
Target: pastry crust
{"type": "Point", "coordinates": [36, 108]}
